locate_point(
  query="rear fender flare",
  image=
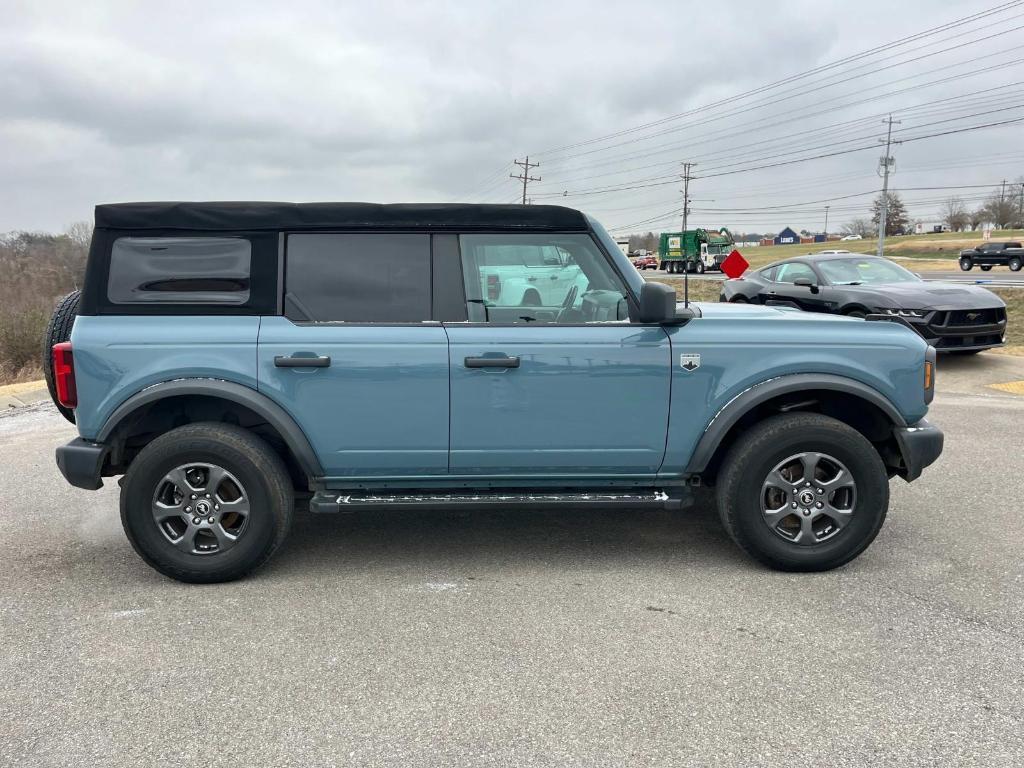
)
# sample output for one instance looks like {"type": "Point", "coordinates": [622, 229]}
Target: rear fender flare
{"type": "Point", "coordinates": [245, 396]}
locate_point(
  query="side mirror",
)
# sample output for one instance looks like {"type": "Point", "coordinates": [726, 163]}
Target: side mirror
{"type": "Point", "coordinates": [806, 282]}
{"type": "Point", "coordinates": [657, 303]}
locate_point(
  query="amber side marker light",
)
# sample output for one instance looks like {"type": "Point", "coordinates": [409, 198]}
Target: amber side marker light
{"type": "Point", "coordinates": [929, 374]}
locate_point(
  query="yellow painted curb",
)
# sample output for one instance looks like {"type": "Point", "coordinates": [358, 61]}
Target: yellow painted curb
{"type": "Point", "coordinates": [1013, 387]}
{"type": "Point", "coordinates": [25, 386]}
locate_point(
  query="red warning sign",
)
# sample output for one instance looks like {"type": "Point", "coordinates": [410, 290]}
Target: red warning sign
{"type": "Point", "coordinates": [734, 264]}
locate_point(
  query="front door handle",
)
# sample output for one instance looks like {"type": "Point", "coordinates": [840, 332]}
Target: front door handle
{"type": "Point", "coordinates": [281, 361]}
{"type": "Point", "coordinates": [492, 362]}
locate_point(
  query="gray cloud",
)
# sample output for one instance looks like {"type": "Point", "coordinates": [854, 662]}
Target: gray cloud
{"type": "Point", "coordinates": [385, 101]}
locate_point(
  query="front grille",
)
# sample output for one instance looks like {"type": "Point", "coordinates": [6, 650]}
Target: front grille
{"type": "Point", "coordinates": [975, 316]}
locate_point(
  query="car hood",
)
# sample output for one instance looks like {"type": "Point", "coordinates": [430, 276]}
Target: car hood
{"type": "Point", "coordinates": [757, 312]}
{"type": "Point", "coordinates": [914, 295]}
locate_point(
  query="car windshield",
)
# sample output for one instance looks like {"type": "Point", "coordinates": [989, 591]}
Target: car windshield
{"type": "Point", "coordinates": [865, 271]}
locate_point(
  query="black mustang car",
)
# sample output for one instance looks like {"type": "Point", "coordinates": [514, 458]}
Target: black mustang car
{"type": "Point", "coordinates": [950, 317]}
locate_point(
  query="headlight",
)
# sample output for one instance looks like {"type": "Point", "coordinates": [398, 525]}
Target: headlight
{"type": "Point", "coordinates": [903, 312]}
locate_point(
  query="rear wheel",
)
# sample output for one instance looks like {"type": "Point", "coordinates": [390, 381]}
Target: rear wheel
{"type": "Point", "coordinates": [59, 330]}
{"type": "Point", "coordinates": [1015, 264]}
{"type": "Point", "coordinates": [803, 492]}
{"type": "Point", "coordinates": [206, 503]}
{"type": "Point", "coordinates": [966, 265]}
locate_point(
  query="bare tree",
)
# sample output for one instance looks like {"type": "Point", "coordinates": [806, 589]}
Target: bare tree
{"type": "Point", "coordinates": [80, 233]}
{"type": "Point", "coordinates": [976, 217]}
{"type": "Point", "coordinates": [860, 226]}
{"type": "Point", "coordinates": [954, 214]}
{"type": "Point", "coordinates": [1000, 209]}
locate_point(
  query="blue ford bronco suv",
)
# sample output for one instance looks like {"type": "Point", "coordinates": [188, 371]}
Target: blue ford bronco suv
{"type": "Point", "coordinates": [235, 360]}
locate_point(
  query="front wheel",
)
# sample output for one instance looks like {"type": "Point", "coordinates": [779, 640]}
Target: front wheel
{"type": "Point", "coordinates": [803, 492]}
{"type": "Point", "coordinates": [700, 267]}
{"type": "Point", "coordinates": [966, 265]}
{"type": "Point", "coordinates": [206, 503]}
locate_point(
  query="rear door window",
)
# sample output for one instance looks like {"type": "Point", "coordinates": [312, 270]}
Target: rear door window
{"type": "Point", "coordinates": [180, 270]}
{"type": "Point", "coordinates": [358, 278]}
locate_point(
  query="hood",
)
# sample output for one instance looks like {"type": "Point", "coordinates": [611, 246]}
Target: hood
{"type": "Point", "coordinates": [914, 295]}
{"type": "Point", "coordinates": [757, 312]}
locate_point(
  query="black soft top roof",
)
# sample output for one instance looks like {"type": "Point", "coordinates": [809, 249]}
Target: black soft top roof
{"type": "Point", "coordinates": [231, 216]}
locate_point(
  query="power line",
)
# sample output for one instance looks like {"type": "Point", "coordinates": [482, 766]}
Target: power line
{"type": "Point", "coordinates": [793, 78]}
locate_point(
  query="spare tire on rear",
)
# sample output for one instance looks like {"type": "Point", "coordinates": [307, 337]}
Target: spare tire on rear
{"type": "Point", "coordinates": [58, 330]}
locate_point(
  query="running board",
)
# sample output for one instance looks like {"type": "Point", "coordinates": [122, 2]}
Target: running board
{"type": "Point", "coordinates": [344, 501]}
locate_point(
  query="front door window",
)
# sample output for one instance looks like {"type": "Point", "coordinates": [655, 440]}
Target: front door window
{"type": "Point", "coordinates": [517, 278]}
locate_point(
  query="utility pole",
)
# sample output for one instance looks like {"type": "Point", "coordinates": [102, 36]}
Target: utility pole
{"type": "Point", "coordinates": [525, 176]}
{"type": "Point", "coordinates": [886, 164]}
{"type": "Point", "coordinates": [687, 175]}
{"type": "Point", "coordinates": [1020, 206]}
{"type": "Point", "coordinates": [1002, 191]}
{"type": "Point", "coordinates": [826, 223]}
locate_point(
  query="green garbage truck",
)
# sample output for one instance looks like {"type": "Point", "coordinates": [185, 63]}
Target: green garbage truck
{"type": "Point", "coordinates": [695, 250]}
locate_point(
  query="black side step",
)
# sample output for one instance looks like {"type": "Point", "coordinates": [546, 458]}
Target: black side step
{"type": "Point", "coordinates": [606, 498]}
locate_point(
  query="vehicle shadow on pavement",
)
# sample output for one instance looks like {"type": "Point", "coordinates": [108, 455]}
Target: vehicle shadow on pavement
{"type": "Point", "coordinates": [556, 538]}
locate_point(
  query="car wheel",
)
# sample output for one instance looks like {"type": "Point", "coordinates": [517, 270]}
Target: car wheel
{"type": "Point", "coordinates": [206, 503]}
{"type": "Point", "coordinates": [803, 492]}
{"type": "Point", "coordinates": [58, 330]}
{"type": "Point", "coordinates": [858, 313]}
{"type": "Point", "coordinates": [985, 267]}
{"type": "Point", "coordinates": [966, 265]}
{"type": "Point", "coordinates": [740, 300]}
{"type": "Point", "coordinates": [1015, 264]}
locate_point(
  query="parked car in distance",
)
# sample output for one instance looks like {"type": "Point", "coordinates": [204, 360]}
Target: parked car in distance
{"type": "Point", "coordinates": [853, 237]}
{"type": "Point", "coordinates": [950, 317]}
{"type": "Point", "coordinates": [988, 255]}
{"type": "Point", "coordinates": [645, 262]}
{"type": "Point", "coordinates": [234, 360]}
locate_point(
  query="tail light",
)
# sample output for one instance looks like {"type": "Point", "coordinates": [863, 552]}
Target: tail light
{"type": "Point", "coordinates": [64, 375]}
{"type": "Point", "coordinates": [493, 287]}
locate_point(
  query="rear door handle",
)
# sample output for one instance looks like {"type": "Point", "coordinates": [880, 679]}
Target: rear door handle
{"type": "Point", "coordinates": [281, 361]}
{"type": "Point", "coordinates": [492, 362]}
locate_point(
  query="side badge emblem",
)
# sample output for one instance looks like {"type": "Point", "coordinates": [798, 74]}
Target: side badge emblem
{"type": "Point", "coordinates": [689, 362]}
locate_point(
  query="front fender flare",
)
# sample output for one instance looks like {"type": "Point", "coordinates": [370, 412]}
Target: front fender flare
{"type": "Point", "coordinates": [245, 396]}
{"type": "Point", "coordinates": [750, 398]}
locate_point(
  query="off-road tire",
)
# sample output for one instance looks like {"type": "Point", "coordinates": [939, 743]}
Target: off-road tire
{"type": "Point", "coordinates": [966, 265]}
{"type": "Point", "coordinates": [766, 444]}
{"type": "Point", "coordinates": [248, 457]}
{"type": "Point", "coordinates": [59, 330]}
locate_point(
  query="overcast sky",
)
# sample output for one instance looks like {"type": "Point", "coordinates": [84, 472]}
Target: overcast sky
{"type": "Point", "coordinates": [417, 101]}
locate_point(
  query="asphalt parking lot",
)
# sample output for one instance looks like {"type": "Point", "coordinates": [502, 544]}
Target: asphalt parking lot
{"type": "Point", "coordinates": [526, 638]}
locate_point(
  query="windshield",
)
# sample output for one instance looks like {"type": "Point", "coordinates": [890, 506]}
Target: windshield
{"type": "Point", "coordinates": [865, 271]}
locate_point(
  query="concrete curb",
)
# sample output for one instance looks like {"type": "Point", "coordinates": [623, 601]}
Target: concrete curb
{"type": "Point", "coordinates": [20, 395]}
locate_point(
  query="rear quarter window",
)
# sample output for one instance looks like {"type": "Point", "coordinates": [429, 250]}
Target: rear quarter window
{"type": "Point", "coordinates": [180, 270]}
